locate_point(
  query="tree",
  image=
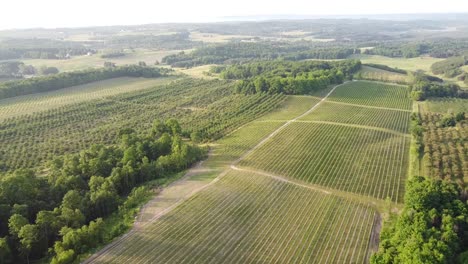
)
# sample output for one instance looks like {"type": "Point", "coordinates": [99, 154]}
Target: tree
{"type": "Point", "coordinates": [29, 236]}
{"type": "Point", "coordinates": [44, 70]}
{"type": "Point", "coordinates": [109, 64]}
{"type": "Point", "coordinates": [460, 116]}
{"type": "Point", "coordinates": [15, 224]}
{"type": "Point", "coordinates": [142, 64]}
{"type": "Point", "coordinates": [173, 126]}
{"type": "Point", "coordinates": [64, 257]}
{"type": "Point", "coordinates": [5, 251]}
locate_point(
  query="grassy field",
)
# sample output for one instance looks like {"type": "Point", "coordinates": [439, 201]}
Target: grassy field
{"type": "Point", "coordinates": [29, 104]}
{"type": "Point", "coordinates": [247, 218]}
{"type": "Point", "coordinates": [444, 105]}
{"type": "Point", "coordinates": [321, 147]}
{"type": "Point", "coordinates": [198, 72]}
{"type": "Point", "coordinates": [95, 61]}
{"type": "Point", "coordinates": [371, 73]}
{"type": "Point", "coordinates": [411, 64]}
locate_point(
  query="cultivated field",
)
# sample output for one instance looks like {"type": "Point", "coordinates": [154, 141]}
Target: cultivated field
{"type": "Point", "coordinates": [248, 218]}
{"type": "Point", "coordinates": [321, 148]}
{"type": "Point", "coordinates": [28, 104]}
{"type": "Point", "coordinates": [208, 107]}
{"type": "Point", "coordinates": [371, 73]}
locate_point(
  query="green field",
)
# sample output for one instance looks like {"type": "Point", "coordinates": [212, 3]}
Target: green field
{"type": "Point", "coordinates": [363, 161]}
{"type": "Point", "coordinates": [410, 64]}
{"type": "Point", "coordinates": [28, 104]}
{"type": "Point", "coordinates": [208, 107]}
{"type": "Point", "coordinates": [372, 94]}
{"type": "Point", "coordinates": [321, 147]}
{"type": "Point", "coordinates": [247, 218]}
{"type": "Point", "coordinates": [95, 60]}
{"type": "Point", "coordinates": [330, 111]}
{"type": "Point", "coordinates": [444, 105]}
{"type": "Point", "coordinates": [371, 73]}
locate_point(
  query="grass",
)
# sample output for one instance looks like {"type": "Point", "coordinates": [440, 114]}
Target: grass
{"type": "Point", "coordinates": [198, 72]}
{"type": "Point", "coordinates": [28, 104]}
{"type": "Point", "coordinates": [410, 64]}
{"type": "Point", "coordinates": [444, 105]}
{"type": "Point", "coordinates": [247, 218]}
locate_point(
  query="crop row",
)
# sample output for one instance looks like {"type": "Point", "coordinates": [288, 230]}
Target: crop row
{"type": "Point", "coordinates": [364, 161]}
{"type": "Point", "coordinates": [204, 106]}
{"type": "Point", "coordinates": [247, 218]}
{"type": "Point", "coordinates": [373, 94]}
{"type": "Point", "coordinates": [349, 114]}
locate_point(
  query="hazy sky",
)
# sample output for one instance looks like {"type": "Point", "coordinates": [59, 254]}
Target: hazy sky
{"type": "Point", "coordinates": [68, 13]}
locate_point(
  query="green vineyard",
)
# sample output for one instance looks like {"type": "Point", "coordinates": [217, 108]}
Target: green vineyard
{"type": "Point", "coordinates": [247, 218]}
{"type": "Point", "coordinates": [320, 148]}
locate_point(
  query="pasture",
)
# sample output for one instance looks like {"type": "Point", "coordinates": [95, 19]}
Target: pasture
{"type": "Point", "coordinates": [410, 64]}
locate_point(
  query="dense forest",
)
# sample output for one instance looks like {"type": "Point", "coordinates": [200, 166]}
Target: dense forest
{"type": "Point", "coordinates": [236, 52]}
{"type": "Point", "coordinates": [41, 48]}
{"type": "Point", "coordinates": [430, 228]}
{"type": "Point", "coordinates": [289, 77]}
{"type": "Point", "coordinates": [67, 209]}
{"type": "Point", "coordinates": [439, 48]}
{"type": "Point", "coordinates": [67, 79]}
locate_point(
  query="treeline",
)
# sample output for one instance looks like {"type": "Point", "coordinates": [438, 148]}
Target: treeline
{"type": "Point", "coordinates": [66, 210]}
{"type": "Point", "coordinates": [431, 227]}
{"type": "Point", "coordinates": [241, 52]}
{"type": "Point", "coordinates": [442, 48]}
{"type": "Point", "coordinates": [424, 86]}
{"type": "Point", "coordinates": [386, 68]}
{"type": "Point", "coordinates": [289, 77]}
{"type": "Point", "coordinates": [40, 48]}
{"type": "Point", "coordinates": [450, 67]}
{"type": "Point", "coordinates": [67, 79]}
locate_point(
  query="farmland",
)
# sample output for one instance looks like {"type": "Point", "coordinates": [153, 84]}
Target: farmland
{"type": "Point", "coordinates": [248, 218]}
{"type": "Point", "coordinates": [325, 154]}
{"type": "Point", "coordinates": [444, 105]}
{"type": "Point", "coordinates": [234, 218]}
{"type": "Point", "coordinates": [28, 104]}
{"type": "Point", "coordinates": [201, 106]}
